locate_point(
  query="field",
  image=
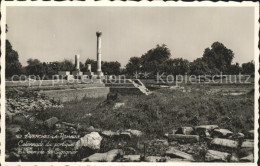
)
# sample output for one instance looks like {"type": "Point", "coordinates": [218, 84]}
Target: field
{"type": "Point", "coordinates": [162, 112]}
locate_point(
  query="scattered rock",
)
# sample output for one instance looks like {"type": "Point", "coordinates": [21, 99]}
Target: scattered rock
{"type": "Point", "coordinates": [220, 143]}
{"type": "Point", "coordinates": [221, 133]}
{"type": "Point", "coordinates": [125, 135]}
{"type": "Point", "coordinates": [234, 158]}
{"type": "Point", "coordinates": [213, 155]}
{"type": "Point", "coordinates": [177, 160]}
{"type": "Point", "coordinates": [51, 122]}
{"type": "Point", "coordinates": [108, 133]}
{"type": "Point", "coordinates": [174, 153]}
{"type": "Point", "coordinates": [109, 156]}
{"type": "Point", "coordinates": [183, 138]}
{"type": "Point", "coordinates": [135, 133]}
{"type": "Point", "coordinates": [248, 144]}
{"type": "Point", "coordinates": [249, 158]}
{"type": "Point", "coordinates": [118, 105]}
{"type": "Point", "coordinates": [92, 140]}
{"type": "Point", "coordinates": [131, 158]}
{"type": "Point", "coordinates": [154, 159]}
{"type": "Point", "coordinates": [185, 131]}
{"type": "Point", "coordinates": [237, 136]}
{"type": "Point", "coordinates": [247, 147]}
{"type": "Point", "coordinates": [69, 124]}
{"type": "Point", "coordinates": [204, 130]}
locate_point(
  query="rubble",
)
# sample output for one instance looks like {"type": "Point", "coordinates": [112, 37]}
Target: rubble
{"type": "Point", "coordinates": [131, 158]}
{"type": "Point", "coordinates": [92, 141]}
{"type": "Point", "coordinates": [173, 153]}
{"type": "Point", "coordinates": [213, 155]}
{"type": "Point", "coordinates": [51, 122]}
{"type": "Point", "coordinates": [249, 158]}
{"type": "Point", "coordinates": [205, 130]}
{"type": "Point", "coordinates": [221, 133]}
{"type": "Point", "coordinates": [219, 143]}
{"type": "Point", "coordinates": [109, 156]}
{"type": "Point", "coordinates": [185, 131]}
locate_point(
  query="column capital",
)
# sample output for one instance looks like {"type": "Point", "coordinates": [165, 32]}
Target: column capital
{"type": "Point", "coordinates": [99, 33]}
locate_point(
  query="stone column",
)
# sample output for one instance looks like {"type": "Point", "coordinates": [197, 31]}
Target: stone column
{"type": "Point", "coordinates": [89, 67]}
{"type": "Point", "coordinates": [99, 70]}
{"type": "Point", "coordinates": [77, 68]}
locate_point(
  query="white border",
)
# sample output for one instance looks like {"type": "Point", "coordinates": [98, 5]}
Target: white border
{"type": "Point", "coordinates": [124, 4]}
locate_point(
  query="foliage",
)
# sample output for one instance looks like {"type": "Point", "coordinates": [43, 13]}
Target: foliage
{"type": "Point", "coordinates": [176, 66]}
{"type": "Point", "coordinates": [34, 67]}
{"type": "Point", "coordinates": [248, 68]}
{"type": "Point", "coordinates": [152, 59]}
{"type": "Point", "coordinates": [111, 68]}
{"type": "Point", "coordinates": [200, 67]}
{"type": "Point", "coordinates": [133, 66]}
{"type": "Point", "coordinates": [13, 66]}
{"type": "Point", "coordinates": [218, 57]}
{"type": "Point", "coordinates": [234, 69]}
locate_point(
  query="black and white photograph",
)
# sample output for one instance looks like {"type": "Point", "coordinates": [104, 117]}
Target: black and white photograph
{"type": "Point", "coordinates": [169, 82]}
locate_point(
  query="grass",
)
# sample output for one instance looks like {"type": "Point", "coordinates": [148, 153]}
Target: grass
{"type": "Point", "coordinates": [160, 112]}
{"type": "Point", "coordinates": [154, 115]}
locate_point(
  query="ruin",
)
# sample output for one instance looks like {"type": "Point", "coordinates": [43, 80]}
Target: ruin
{"type": "Point", "coordinates": [77, 74]}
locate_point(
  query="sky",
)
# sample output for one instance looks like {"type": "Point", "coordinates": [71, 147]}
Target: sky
{"type": "Point", "coordinates": [57, 33]}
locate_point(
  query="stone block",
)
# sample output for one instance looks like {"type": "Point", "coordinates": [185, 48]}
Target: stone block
{"type": "Point", "coordinates": [185, 131]}
{"type": "Point", "coordinates": [109, 156]}
{"type": "Point", "coordinates": [204, 130]}
{"type": "Point", "coordinates": [221, 133]}
{"type": "Point", "coordinates": [174, 153]}
{"type": "Point", "coordinates": [77, 73]}
{"type": "Point", "coordinates": [135, 133]}
{"type": "Point", "coordinates": [213, 156]}
{"type": "Point", "coordinates": [249, 158]}
{"type": "Point", "coordinates": [131, 158]}
{"type": "Point", "coordinates": [154, 159]}
{"type": "Point", "coordinates": [224, 144]}
{"type": "Point", "coordinates": [51, 122]}
{"type": "Point", "coordinates": [70, 77]}
{"type": "Point", "coordinates": [92, 141]}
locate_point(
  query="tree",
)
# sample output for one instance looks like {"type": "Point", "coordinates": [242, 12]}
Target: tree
{"type": "Point", "coordinates": [218, 57]}
{"type": "Point", "coordinates": [248, 68]}
{"type": "Point", "coordinates": [199, 67]}
{"type": "Point", "coordinates": [152, 59]}
{"type": "Point", "coordinates": [176, 66]}
{"type": "Point", "coordinates": [13, 66]}
{"type": "Point", "coordinates": [111, 68]}
{"type": "Point", "coordinates": [67, 65]}
{"type": "Point", "coordinates": [35, 67]}
{"type": "Point", "coordinates": [234, 69]}
{"type": "Point", "coordinates": [133, 66]}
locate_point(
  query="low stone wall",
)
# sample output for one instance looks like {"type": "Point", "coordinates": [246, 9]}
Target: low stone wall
{"type": "Point", "coordinates": [68, 95]}
{"type": "Point", "coordinates": [126, 90]}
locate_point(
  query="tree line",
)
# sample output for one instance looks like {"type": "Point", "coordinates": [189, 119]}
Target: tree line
{"type": "Point", "coordinates": [215, 60]}
{"type": "Point", "coordinates": [38, 68]}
